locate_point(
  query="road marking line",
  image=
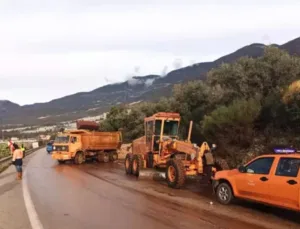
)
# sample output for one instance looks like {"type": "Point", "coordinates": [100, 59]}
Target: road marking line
{"type": "Point", "coordinates": [32, 214]}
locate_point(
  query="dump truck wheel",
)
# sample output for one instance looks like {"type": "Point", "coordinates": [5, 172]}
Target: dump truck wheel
{"type": "Point", "coordinates": [137, 164]}
{"type": "Point", "coordinates": [79, 158]}
{"type": "Point", "coordinates": [128, 163]}
{"type": "Point", "coordinates": [221, 164]}
{"type": "Point", "coordinates": [61, 161]}
{"type": "Point", "coordinates": [224, 193]}
{"type": "Point", "coordinates": [175, 173]}
{"type": "Point", "coordinates": [106, 157]}
{"type": "Point", "coordinates": [113, 156]}
{"type": "Point", "coordinates": [100, 157]}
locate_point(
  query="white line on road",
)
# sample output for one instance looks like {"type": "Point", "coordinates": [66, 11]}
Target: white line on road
{"type": "Point", "coordinates": [32, 214]}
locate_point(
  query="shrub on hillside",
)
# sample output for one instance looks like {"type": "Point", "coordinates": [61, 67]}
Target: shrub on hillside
{"type": "Point", "coordinates": [232, 124]}
{"type": "Point", "coordinates": [4, 151]}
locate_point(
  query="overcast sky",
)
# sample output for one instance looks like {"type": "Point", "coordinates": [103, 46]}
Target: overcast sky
{"type": "Point", "coordinates": [52, 48]}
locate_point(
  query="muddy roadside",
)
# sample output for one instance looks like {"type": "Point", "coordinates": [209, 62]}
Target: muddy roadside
{"type": "Point", "coordinates": [197, 198]}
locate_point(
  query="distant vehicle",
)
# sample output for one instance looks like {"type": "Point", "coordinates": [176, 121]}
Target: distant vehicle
{"type": "Point", "coordinates": [271, 179]}
{"type": "Point", "coordinates": [49, 147]}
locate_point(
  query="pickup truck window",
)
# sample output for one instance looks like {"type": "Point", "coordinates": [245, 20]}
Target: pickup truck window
{"type": "Point", "coordinates": [288, 167]}
{"type": "Point", "coordinates": [260, 166]}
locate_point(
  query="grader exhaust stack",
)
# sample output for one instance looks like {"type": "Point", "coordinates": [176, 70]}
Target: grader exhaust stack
{"type": "Point", "coordinates": [190, 131]}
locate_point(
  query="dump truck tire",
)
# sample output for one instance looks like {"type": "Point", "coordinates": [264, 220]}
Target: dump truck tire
{"type": "Point", "coordinates": [79, 158]}
{"type": "Point", "coordinates": [106, 157]}
{"type": "Point", "coordinates": [113, 156]}
{"type": "Point", "coordinates": [221, 164]}
{"type": "Point", "coordinates": [175, 173]}
{"type": "Point", "coordinates": [128, 164]}
{"type": "Point", "coordinates": [137, 164]}
{"type": "Point", "coordinates": [100, 157]}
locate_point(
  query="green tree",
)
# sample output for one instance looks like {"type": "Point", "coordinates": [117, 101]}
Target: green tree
{"type": "Point", "coordinates": [232, 124]}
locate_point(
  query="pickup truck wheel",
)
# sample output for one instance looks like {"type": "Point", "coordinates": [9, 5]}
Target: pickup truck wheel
{"type": "Point", "coordinates": [79, 158]}
{"type": "Point", "coordinates": [128, 163]}
{"type": "Point", "coordinates": [137, 164]}
{"type": "Point", "coordinates": [224, 193]}
{"type": "Point", "coordinates": [113, 156]}
{"type": "Point", "coordinates": [175, 173]}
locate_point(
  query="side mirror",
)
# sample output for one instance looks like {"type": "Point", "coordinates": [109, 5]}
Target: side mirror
{"type": "Point", "coordinates": [242, 169]}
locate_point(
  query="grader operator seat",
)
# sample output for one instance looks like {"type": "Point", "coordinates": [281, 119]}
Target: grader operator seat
{"type": "Point", "coordinates": [159, 127]}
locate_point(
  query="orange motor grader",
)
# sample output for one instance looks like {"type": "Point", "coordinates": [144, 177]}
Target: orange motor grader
{"type": "Point", "coordinates": [161, 148]}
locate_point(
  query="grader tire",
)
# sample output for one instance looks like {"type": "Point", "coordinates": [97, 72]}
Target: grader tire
{"type": "Point", "coordinates": [137, 164]}
{"type": "Point", "coordinates": [221, 164]}
{"type": "Point", "coordinates": [128, 164]}
{"type": "Point", "coordinates": [175, 173]}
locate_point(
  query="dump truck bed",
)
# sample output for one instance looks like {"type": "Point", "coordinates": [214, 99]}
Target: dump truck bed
{"type": "Point", "coordinates": [101, 140]}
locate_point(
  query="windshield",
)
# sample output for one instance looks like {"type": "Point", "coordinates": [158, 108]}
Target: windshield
{"type": "Point", "coordinates": [171, 128]}
{"type": "Point", "coordinates": [62, 139]}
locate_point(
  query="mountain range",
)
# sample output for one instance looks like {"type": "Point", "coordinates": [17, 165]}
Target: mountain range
{"type": "Point", "coordinates": [138, 88]}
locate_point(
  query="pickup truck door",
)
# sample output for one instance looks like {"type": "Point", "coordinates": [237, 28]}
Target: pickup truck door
{"type": "Point", "coordinates": [285, 183]}
{"type": "Point", "coordinates": [253, 184]}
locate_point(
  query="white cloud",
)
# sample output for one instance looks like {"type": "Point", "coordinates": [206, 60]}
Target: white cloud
{"type": "Point", "coordinates": [52, 48]}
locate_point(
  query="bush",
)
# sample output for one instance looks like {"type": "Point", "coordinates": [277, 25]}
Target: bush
{"type": "Point", "coordinates": [4, 151]}
{"type": "Point", "coordinates": [233, 124]}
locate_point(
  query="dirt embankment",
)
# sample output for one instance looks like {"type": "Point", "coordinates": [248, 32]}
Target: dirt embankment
{"type": "Point", "coordinates": [125, 148]}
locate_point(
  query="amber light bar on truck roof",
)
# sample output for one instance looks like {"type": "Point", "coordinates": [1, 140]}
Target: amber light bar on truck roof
{"type": "Point", "coordinates": [285, 150]}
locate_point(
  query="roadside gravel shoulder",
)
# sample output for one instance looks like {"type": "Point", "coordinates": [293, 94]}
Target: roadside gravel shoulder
{"type": "Point", "coordinates": [13, 213]}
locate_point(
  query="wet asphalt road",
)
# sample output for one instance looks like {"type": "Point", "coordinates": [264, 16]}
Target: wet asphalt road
{"type": "Point", "coordinates": [99, 195]}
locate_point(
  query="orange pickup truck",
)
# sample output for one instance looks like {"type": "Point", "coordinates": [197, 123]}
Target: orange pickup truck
{"type": "Point", "coordinates": [269, 179]}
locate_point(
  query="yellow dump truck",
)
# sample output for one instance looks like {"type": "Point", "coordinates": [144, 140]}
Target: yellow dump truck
{"type": "Point", "coordinates": [81, 144]}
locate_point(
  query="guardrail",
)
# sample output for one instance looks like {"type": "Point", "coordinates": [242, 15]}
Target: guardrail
{"type": "Point", "coordinates": [6, 161]}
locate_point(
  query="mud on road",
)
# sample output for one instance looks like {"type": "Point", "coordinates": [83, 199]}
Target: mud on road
{"type": "Point", "coordinates": [195, 199]}
{"type": "Point", "coordinates": [101, 195]}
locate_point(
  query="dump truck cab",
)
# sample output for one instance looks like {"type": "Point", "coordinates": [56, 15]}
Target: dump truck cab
{"type": "Point", "coordinates": [67, 142]}
{"type": "Point", "coordinates": [66, 145]}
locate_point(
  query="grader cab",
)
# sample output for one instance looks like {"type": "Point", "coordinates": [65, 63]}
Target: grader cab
{"type": "Point", "coordinates": [160, 147]}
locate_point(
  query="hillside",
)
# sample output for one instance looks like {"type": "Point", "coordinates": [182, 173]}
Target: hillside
{"type": "Point", "coordinates": [149, 87]}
